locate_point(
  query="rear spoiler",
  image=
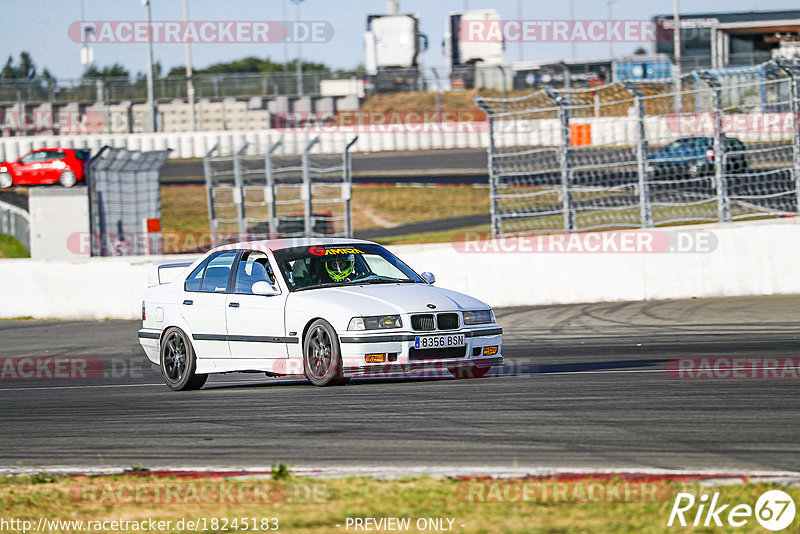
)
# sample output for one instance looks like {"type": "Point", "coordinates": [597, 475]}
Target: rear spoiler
{"type": "Point", "coordinates": [165, 271]}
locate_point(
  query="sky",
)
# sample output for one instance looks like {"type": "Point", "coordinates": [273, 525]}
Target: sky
{"type": "Point", "coordinates": [40, 27]}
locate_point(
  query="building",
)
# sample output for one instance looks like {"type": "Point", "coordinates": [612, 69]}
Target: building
{"type": "Point", "coordinates": [719, 40]}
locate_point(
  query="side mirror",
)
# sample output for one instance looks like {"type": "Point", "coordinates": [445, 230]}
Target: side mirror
{"type": "Point", "coordinates": [262, 287]}
{"type": "Point", "coordinates": [428, 277]}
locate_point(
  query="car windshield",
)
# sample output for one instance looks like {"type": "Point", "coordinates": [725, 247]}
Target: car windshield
{"type": "Point", "coordinates": [689, 142]}
{"type": "Point", "coordinates": [319, 266]}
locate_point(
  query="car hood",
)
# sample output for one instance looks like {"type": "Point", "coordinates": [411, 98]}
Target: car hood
{"type": "Point", "coordinates": [378, 299]}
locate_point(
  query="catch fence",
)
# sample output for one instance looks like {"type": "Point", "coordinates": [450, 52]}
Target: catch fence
{"type": "Point", "coordinates": [723, 148]}
{"type": "Point", "coordinates": [258, 194]}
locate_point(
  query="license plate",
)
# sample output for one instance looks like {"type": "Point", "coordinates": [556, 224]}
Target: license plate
{"type": "Point", "coordinates": [436, 342]}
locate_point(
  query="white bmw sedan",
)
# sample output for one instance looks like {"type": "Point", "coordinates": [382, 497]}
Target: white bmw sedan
{"type": "Point", "coordinates": [327, 309]}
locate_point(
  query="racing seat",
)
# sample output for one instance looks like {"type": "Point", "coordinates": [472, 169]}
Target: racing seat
{"type": "Point", "coordinates": [300, 275]}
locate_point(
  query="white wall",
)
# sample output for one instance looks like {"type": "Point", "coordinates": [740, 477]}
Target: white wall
{"type": "Point", "coordinates": [750, 259]}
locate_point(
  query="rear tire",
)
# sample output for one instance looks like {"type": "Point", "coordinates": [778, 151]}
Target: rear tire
{"type": "Point", "coordinates": [178, 362]}
{"type": "Point", "coordinates": [322, 358]}
{"type": "Point", "coordinates": [469, 372]}
{"type": "Point", "coordinates": [67, 178]}
{"type": "Point", "coordinates": [6, 180]}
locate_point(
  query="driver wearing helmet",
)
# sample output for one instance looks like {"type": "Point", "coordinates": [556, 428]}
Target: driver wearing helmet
{"type": "Point", "coordinates": [339, 267]}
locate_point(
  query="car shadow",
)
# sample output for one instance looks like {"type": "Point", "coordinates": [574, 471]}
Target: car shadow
{"type": "Point", "coordinates": [509, 369]}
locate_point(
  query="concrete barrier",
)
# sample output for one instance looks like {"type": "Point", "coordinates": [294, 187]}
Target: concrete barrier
{"type": "Point", "coordinates": [757, 258]}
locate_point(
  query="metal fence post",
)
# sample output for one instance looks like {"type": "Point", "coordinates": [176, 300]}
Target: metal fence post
{"type": "Point", "coordinates": [269, 191]}
{"type": "Point", "coordinates": [308, 215]}
{"type": "Point", "coordinates": [238, 189]}
{"type": "Point", "coordinates": [212, 217]}
{"type": "Point", "coordinates": [793, 71]}
{"type": "Point", "coordinates": [564, 157]}
{"type": "Point", "coordinates": [347, 189]}
{"type": "Point", "coordinates": [645, 209]}
{"type": "Point", "coordinates": [497, 224]}
{"type": "Point", "coordinates": [720, 148]}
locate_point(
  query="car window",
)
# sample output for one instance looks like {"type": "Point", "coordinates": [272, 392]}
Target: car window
{"type": "Point", "coordinates": [52, 155]}
{"type": "Point", "coordinates": [253, 267]}
{"type": "Point", "coordinates": [30, 158]}
{"type": "Point", "coordinates": [195, 279]}
{"type": "Point", "coordinates": [215, 279]}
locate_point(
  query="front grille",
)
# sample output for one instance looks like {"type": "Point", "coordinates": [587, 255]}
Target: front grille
{"type": "Point", "coordinates": [447, 321]}
{"type": "Point", "coordinates": [436, 354]}
{"type": "Point", "coordinates": [423, 322]}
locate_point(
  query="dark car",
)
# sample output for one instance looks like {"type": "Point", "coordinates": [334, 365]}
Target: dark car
{"type": "Point", "coordinates": [66, 166]}
{"type": "Point", "coordinates": [694, 156]}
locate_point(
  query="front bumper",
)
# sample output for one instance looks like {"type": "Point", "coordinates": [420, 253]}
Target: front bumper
{"type": "Point", "coordinates": [398, 348]}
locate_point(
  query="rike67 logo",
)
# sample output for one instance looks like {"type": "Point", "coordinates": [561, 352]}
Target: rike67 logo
{"type": "Point", "coordinates": [774, 510]}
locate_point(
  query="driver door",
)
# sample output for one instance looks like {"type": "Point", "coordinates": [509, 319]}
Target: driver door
{"type": "Point", "coordinates": [256, 326]}
{"type": "Point", "coordinates": [27, 168]}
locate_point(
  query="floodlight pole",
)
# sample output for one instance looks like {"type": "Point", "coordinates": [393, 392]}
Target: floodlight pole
{"type": "Point", "coordinates": [151, 104]}
{"type": "Point", "coordinates": [189, 81]}
{"type": "Point", "coordinates": [299, 48]}
{"type": "Point", "coordinates": [676, 40]}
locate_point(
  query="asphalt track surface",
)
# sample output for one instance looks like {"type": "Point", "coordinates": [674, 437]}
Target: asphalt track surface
{"type": "Point", "coordinates": [457, 166]}
{"type": "Point", "coordinates": [586, 388]}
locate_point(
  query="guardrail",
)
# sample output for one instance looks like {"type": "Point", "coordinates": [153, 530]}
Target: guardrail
{"type": "Point", "coordinates": [16, 222]}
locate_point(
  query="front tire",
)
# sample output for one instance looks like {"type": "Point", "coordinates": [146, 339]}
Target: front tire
{"type": "Point", "coordinates": [67, 178]}
{"type": "Point", "coordinates": [469, 372]}
{"type": "Point", "coordinates": [6, 180]}
{"type": "Point", "coordinates": [322, 358]}
{"type": "Point", "coordinates": [178, 362]}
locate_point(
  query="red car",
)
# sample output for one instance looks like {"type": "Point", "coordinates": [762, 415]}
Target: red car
{"type": "Point", "coordinates": [66, 166]}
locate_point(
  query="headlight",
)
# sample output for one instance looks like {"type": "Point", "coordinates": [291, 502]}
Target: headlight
{"type": "Point", "coordinates": [478, 317]}
{"type": "Point", "coordinates": [375, 322]}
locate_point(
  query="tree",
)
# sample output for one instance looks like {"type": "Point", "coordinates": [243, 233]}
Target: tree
{"type": "Point", "coordinates": [26, 70]}
{"type": "Point", "coordinates": [8, 70]}
{"type": "Point", "coordinates": [109, 71]}
{"type": "Point", "coordinates": [250, 64]}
